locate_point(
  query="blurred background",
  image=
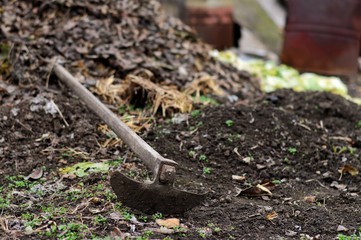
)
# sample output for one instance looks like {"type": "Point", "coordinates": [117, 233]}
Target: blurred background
{"type": "Point", "coordinates": [252, 26]}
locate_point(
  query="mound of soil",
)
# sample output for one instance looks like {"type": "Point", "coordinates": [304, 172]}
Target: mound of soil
{"type": "Point", "coordinates": [97, 39]}
{"type": "Point", "coordinates": [297, 141]}
{"type": "Point", "coordinates": [301, 146]}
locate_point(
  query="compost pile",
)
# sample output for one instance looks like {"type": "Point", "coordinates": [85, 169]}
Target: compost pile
{"type": "Point", "coordinates": [285, 165]}
{"type": "Point", "coordinates": [102, 38]}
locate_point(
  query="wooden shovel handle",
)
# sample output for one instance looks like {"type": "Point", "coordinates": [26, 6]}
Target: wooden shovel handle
{"type": "Point", "coordinates": [151, 158]}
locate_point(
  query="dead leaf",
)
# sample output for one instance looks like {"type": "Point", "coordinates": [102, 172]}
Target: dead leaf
{"type": "Point", "coordinates": [272, 215]}
{"type": "Point", "coordinates": [348, 169]}
{"type": "Point", "coordinates": [265, 189]}
{"type": "Point", "coordinates": [310, 199]}
{"type": "Point", "coordinates": [257, 191]}
{"type": "Point", "coordinates": [168, 223]}
{"type": "Point", "coordinates": [70, 176]}
{"type": "Point", "coordinates": [36, 174]}
{"type": "Point", "coordinates": [63, 161]}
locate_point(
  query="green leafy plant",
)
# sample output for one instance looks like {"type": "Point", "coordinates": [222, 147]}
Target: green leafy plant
{"type": "Point", "coordinates": [229, 123]}
{"type": "Point", "coordinates": [292, 150]}
{"type": "Point", "coordinates": [203, 158]}
{"type": "Point", "coordinates": [195, 113]}
{"type": "Point", "coordinates": [206, 170]}
{"type": "Point", "coordinates": [156, 216]}
{"type": "Point", "coordinates": [192, 153]}
{"type": "Point", "coordinates": [99, 220]}
{"type": "Point", "coordinates": [72, 231]}
{"type": "Point", "coordinates": [127, 215]}
{"type": "Point", "coordinates": [358, 124]}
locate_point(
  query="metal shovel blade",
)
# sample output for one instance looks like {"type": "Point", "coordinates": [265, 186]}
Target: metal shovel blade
{"type": "Point", "coordinates": [153, 197]}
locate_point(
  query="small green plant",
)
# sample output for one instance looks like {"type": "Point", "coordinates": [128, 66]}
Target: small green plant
{"type": "Point", "coordinates": [27, 216]}
{"type": "Point", "coordinates": [202, 233]}
{"type": "Point", "coordinates": [167, 238]}
{"type": "Point", "coordinates": [229, 123]}
{"type": "Point", "coordinates": [276, 182]}
{"type": "Point", "coordinates": [358, 124]}
{"type": "Point", "coordinates": [351, 237]}
{"type": "Point", "coordinates": [122, 109]}
{"type": "Point", "coordinates": [203, 158]}
{"type": "Point", "coordinates": [110, 195]}
{"type": "Point", "coordinates": [195, 113]}
{"type": "Point", "coordinates": [115, 162]}
{"type": "Point", "coordinates": [217, 229]}
{"type": "Point", "coordinates": [292, 150]}
{"type": "Point", "coordinates": [127, 215]}
{"type": "Point", "coordinates": [118, 206]}
{"type": "Point", "coordinates": [72, 231]}
{"type": "Point", "coordinates": [147, 233]}
{"type": "Point", "coordinates": [206, 100]}
{"type": "Point", "coordinates": [132, 174]}
{"type": "Point", "coordinates": [4, 202]}
{"type": "Point", "coordinates": [192, 153]}
{"type": "Point", "coordinates": [143, 218]}
{"type": "Point", "coordinates": [99, 220]}
{"type": "Point", "coordinates": [156, 216]}
{"type": "Point", "coordinates": [206, 170]}
{"type": "Point", "coordinates": [35, 222]}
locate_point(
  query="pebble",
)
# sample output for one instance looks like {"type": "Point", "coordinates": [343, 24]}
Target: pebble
{"type": "Point", "coordinates": [290, 233]}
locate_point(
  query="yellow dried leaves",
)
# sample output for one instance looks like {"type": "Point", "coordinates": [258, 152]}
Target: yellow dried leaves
{"type": "Point", "coordinates": [140, 88]}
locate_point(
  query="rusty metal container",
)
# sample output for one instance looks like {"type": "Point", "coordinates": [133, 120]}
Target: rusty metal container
{"type": "Point", "coordinates": [323, 36]}
{"type": "Point", "coordinates": [214, 25]}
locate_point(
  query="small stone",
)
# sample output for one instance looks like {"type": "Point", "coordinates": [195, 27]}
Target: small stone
{"type": "Point", "coordinates": [247, 160]}
{"type": "Point", "coordinates": [298, 228]}
{"type": "Point", "coordinates": [260, 166]}
{"type": "Point", "coordinates": [28, 116]}
{"type": "Point", "coordinates": [28, 230]}
{"type": "Point", "coordinates": [310, 199]}
{"type": "Point", "coordinates": [15, 111]}
{"type": "Point", "coordinates": [341, 228]}
{"type": "Point", "coordinates": [290, 233]}
{"type": "Point", "coordinates": [238, 178]}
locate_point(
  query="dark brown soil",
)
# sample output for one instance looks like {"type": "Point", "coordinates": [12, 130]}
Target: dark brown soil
{"type": "Point", "coordinates": [298, 141]}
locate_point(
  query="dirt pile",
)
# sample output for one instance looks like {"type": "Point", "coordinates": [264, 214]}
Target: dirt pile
{"type": "Point", "coordinates": [100, 38]}
{"type": "Point", "coordinates": [305, 147]}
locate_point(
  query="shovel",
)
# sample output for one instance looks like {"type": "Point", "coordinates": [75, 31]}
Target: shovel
{"type": "Point", "coordinates": [157, 196]}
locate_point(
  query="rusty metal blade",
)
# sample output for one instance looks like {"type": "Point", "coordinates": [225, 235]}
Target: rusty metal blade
{"type": "Point", "coordinates": [153, 197]}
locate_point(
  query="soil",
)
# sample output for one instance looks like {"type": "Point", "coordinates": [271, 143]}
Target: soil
{"type": "Point", "coordinates": [293, 143]}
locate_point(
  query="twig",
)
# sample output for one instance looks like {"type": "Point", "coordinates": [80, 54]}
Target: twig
{"type": "Point", "coordinates": [304, 126]}
{"type": "Point", "coordinates": [60, 113]}
{"type": "Point", "coordinates": [346, 139]}
{"type": "Point", "coordinates": [4, 224]}
{"type": "Point", "coordinates": [23, 125]}
{"type": "Point", "coordinates": [315, 180]}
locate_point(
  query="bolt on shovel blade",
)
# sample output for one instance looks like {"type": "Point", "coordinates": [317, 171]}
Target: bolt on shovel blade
{"type": "Point", "coordinates": [153, 197]}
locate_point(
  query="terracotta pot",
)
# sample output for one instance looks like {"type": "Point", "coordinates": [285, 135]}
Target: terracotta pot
{"type": "Point", "coordinates": [323, 36]}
